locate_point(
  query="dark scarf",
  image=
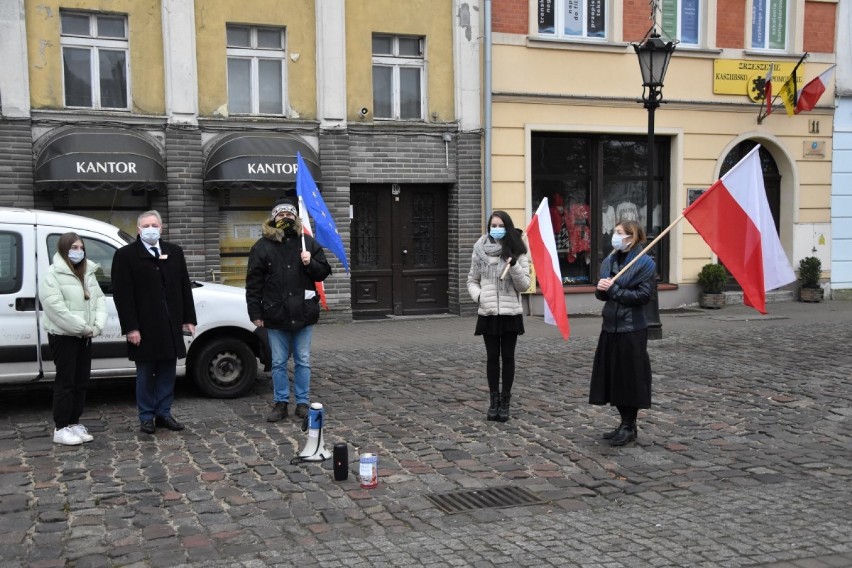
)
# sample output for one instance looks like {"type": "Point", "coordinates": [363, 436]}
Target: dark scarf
{"type": "Point", "coordinates": [642, 269]}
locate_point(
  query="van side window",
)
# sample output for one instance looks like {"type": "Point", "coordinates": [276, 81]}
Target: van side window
{"type": "Point", "coordinates": [10, 262]}
{"type": "Point", "coordinates": [96, 251]}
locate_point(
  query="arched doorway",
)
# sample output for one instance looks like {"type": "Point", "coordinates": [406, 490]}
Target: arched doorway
{"type": "Point", "coordinates": [771, 182]}
{"type": "Point", "coordinates": [771, 175]}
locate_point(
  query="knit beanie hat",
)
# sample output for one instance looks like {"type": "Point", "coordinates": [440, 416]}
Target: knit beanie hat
{"type": "Point", "coordinates": [284, 204]}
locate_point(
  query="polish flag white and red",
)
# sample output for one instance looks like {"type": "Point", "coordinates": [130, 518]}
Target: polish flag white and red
{"type": "Point", "coordinates": [809, 95]}
{"type": "Point", "coordinates": [733, 217]}
{"type": "Point", "coordinates": [543, 253]}
{"type": "Point", "coordinates": [306, 229]}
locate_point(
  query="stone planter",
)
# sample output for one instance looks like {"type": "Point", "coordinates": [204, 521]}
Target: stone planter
{"type": "Point", "coordinates": [811, 294]}
{"type": "Point", "coordinates": [711, 301]}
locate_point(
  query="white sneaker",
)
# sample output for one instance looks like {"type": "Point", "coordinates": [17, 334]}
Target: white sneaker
{"type": "Point", "coordinates": [81, 432]}
{"type": "Point", "coordinates": [66, 437]}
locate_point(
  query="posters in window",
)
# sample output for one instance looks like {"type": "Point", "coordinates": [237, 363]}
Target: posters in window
{"type": "Point", "coordinates": [546, 17]}
{"type": "Point", "coordinates": [573, 24]}
{"type": "Point", "coordinates": [596, 18]}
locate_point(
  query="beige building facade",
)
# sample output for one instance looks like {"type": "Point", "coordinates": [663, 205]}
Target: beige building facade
{"type": "Point", "coordinates": [569, 124]}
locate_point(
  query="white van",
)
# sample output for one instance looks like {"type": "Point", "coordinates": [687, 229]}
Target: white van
{"type": "Point", "coordinates": [222, 358]}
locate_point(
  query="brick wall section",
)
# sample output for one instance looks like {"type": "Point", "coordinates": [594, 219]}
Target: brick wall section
{"type": "Point", "coordinates": [730, 23]}
{"type": "Point", "coordinates": [192, 215]}
{"type": "Point", "coordinates": [510, 16]}
{"type": "Point", "coordinates": [334, 164]}
{"type": "Point", "coordinates": [820, 25]}
{"type": "Point", "coordinates": [636, 19]}
{"type": "Point", "coordinates": [465, 219]}
{"type": "Point", "coordinates": [399, 155]}
{"type": "Point", "coordinates": [16, 163]}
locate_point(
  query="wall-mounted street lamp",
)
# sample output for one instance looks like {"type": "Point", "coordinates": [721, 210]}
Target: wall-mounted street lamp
{"type": "Point", "coordinates": [654, 55]}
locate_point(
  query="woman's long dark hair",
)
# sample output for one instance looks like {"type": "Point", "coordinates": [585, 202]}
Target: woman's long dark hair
{"type": "Point", "coordinates": [513, 246]}
{"type": "Point", "coordinates": [63, 245]}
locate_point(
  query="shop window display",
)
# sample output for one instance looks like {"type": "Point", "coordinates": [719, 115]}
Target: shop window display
{"type": "Point", "coordinates": [593, 182]}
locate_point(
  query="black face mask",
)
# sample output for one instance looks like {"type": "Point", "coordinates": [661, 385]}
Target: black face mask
{"type": "Point", "coordinates": [286, 225]}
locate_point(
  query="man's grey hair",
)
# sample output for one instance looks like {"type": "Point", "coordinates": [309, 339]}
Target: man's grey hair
{"type": "Point", "coordinates": [151, 213]}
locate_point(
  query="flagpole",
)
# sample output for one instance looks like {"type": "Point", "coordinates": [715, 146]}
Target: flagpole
{"type": "Point", "coordinates": [301, 210]}
{"type": "Point", "coordinates": [650, 245]}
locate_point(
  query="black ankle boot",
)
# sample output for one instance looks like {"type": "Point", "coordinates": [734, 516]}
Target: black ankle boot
{"type": "Point", "coordinates": [494, 407]}
{"type": "Point", "coordinates": [626, 434]}
{"type": "Point", "coordinates": [613, 433]}
{"type": "Point", "coordinates": [503, 412]}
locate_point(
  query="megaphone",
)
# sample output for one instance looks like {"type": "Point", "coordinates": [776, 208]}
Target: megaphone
{"type": "Point", "coordinates": [315, 446]}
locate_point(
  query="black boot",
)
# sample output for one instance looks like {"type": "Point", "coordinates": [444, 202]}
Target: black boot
{"type": "Point", "coordinates": [626, 434]}
{"type": "Point", "coordinates": [494, 407]}
{"type": "Point", "coordinates": [503, 412]}
{"type": "Point", "coordinates": [613, 433]}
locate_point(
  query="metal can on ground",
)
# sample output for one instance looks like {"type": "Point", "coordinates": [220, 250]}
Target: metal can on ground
{"type": "Point", "coordinates": [368, 470]}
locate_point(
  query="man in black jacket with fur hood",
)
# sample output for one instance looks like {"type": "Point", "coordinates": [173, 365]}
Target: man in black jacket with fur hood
{"type": "Point", "coordinates": [282, 297]}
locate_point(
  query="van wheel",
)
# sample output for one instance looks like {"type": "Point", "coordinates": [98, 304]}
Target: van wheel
{"type": "Point", "coordinates": [225, 368]}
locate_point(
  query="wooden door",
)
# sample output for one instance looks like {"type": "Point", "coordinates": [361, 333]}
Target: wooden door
{"type": "Point", "coordinates": [399, 250]}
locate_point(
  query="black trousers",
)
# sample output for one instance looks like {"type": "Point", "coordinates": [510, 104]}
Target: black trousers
{"type": "Point", "coordinates": [73, 359]}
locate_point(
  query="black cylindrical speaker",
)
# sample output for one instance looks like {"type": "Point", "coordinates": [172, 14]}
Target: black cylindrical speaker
{"type": "Point", "coordinates": [341, 462]}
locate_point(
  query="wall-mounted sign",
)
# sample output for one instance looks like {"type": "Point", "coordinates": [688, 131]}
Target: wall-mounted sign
{"type": "Point", "coordinates": [694, 193]}
{"type": "Point", "coordinates": [744, 77]}
{"type": "Point", "coordinates": [814, 149]}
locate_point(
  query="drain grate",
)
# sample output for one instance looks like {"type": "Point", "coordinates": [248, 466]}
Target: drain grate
{"type": "Point", "coordinates": [491, 498]}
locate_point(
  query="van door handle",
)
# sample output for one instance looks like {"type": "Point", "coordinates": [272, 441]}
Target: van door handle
{"type": "Point", "coordinates": [25, 304]}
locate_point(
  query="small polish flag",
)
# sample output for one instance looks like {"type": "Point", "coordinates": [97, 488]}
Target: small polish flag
{"type": "Point", "coordinates": [306, 230]}
{"type": "Point", "coordinates": [809, 94]}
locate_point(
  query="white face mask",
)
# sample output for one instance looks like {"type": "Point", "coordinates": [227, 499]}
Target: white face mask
{"type": "Point", "coordinates": [150, 235]}
{"type": "Point", "coordinates": [620, 242]}
{"type": "Point", "coordinates": [76, 256]}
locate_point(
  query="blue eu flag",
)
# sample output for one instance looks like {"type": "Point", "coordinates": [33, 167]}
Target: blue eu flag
{"type": "Point", "coordinates": [326, 231]}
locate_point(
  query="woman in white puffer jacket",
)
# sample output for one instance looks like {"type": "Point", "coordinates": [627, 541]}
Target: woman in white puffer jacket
{"type": "Point", "coordinates": [74, 312]}
{"type": "Point", "coordinates": [501, 318]}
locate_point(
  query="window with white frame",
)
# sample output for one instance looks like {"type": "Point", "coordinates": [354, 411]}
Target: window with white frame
{"type": "Point", "coordinates": [398, 77]}
{"type": "Point", "coordinates": [681, 19]}
{"type": "Point", "coordinates": [256, 70]}
{"type": "Point", "coordinates": [769, 24]}
{"type": "Point", "coordinates": [572, 18]}
{"type": "Point", "coordinates": [94, 60]}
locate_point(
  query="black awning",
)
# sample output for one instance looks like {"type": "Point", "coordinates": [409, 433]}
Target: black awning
{"type": "Point", "coordinates": [95, 158]}
{"type": "Point", "coordinates": [258, 160]}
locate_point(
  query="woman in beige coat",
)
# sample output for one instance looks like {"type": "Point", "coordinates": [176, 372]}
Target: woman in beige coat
{"type": "Point", "coordinates": [498, 293]}
{"type": "Point", "coordinates": [74, 312]}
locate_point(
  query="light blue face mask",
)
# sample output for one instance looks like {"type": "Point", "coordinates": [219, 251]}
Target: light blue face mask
{"type": "Point", "coordinates": [497, 233]}
{"type": "Point", "coordinates": [620, 242]}
{"type": "Point", "coordinates": [150, 235]}
{"type": "Point", "coordinates": [76, 256]}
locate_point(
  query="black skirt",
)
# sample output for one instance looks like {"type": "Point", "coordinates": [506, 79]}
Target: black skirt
{"type": "Point", "coordinates": [498, 325]}
{"type": "Point", "coordinates": [621, 375]}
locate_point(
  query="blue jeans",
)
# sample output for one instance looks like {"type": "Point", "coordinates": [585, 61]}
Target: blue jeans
{"type": "Point", "coordinates": [281, 344]}
{"type": "Point", "coordinates": [155, 388]}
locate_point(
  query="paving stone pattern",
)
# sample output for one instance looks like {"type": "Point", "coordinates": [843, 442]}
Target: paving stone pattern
{"type": "Point", "coordinates": [745, 458]}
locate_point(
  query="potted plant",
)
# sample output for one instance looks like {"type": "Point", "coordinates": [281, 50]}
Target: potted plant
{"type": "Point", "coordinates": [810, 270]}
{"type": "Point", "coordinates": [712, 280]}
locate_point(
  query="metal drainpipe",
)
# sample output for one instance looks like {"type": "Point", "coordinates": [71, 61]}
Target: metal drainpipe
{"type": "Point", "coordinates": [487, 115]}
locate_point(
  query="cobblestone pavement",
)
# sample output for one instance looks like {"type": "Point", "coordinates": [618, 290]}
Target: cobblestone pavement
{"type": "Point", "coordinates": [744, 460]}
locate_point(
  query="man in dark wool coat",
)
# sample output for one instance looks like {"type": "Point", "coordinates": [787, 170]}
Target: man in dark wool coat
{"type": "Point", "coordinates": [153, 298]}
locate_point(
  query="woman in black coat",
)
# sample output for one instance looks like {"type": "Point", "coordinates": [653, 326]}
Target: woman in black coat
{"type": "Point", "coordinates": [621, 375]}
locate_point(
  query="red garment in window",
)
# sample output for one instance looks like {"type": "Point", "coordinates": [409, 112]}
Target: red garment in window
{"type": "Point", "coordinates": [579, 230]}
